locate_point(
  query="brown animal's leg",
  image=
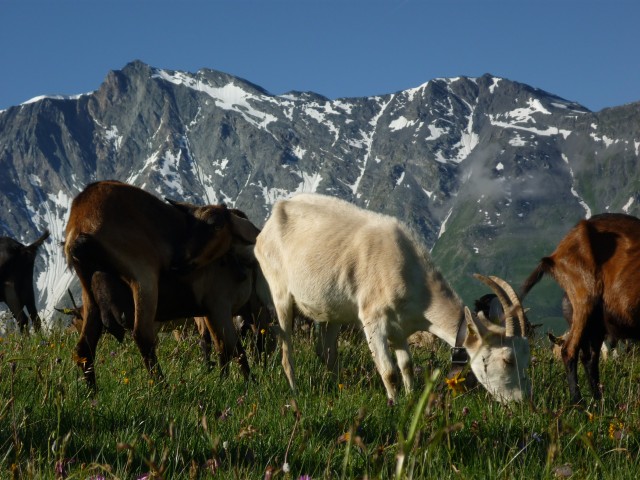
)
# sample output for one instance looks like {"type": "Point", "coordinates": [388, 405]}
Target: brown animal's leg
{"type": "Point", "coordinates": [206, 341]}
{"type": "Point", "coordinates": [85, 351]}
{"type": "Point", "coordinates": [221, 328]}
{"type": "Point", "coordinates": [145, 299]}
{"type": "Point", "coordinates": [590, 360]}
{"type": "Point", "coordinates": [582, 312]}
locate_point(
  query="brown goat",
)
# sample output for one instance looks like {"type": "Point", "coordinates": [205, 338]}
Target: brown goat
{"type": "Point", "coordinates": [597, 264]}
{"type": "Point", "coordinates": [115, 302]}
{"type": "Point", "coordinates": [151, 245]}
{"type": "Point", "coordinates": [16, 279]}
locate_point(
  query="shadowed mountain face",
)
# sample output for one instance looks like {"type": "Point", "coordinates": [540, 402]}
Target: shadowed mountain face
{"type": "Point", "coordinates": [490, 173]}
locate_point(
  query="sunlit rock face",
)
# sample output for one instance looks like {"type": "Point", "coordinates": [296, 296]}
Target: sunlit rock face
{"type": "Point", "coordinates": [490, 173]}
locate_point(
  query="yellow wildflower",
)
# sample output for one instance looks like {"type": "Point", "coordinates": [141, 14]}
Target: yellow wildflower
{"type": "Point", "coordinates": [616, 430]}
{"type": "Point", "coordinates": [456, 384]}
{"type": "Point", "coordinates": [125, 380]}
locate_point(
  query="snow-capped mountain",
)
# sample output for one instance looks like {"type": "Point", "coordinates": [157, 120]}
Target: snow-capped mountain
{"type": "Point", "coordinates": [491, 173]}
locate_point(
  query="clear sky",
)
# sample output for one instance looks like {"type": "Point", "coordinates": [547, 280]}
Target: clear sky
{"type": "Point", "coordinates": [582, 50]}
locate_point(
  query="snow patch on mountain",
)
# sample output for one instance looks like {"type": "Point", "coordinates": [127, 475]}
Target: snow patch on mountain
{"type": "Point", "coordinates": [229, 97]}
{"type": "Point", "coordinates": [368, 142]}
{"type": "Point", "coordinates": [574, 192]}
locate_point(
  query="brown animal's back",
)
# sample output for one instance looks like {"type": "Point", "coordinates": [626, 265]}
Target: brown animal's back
{"type": "Point", "coordinates": [124, 218]}
{"type": "Point", "coordinates": [612, 260]}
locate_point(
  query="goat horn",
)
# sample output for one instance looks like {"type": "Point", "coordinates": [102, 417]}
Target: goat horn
{"type": "Point", "coordinates": [515, 301]}
{"type": "Point", "coordinates": [73, 302]}
{"type": "Point", "coordinates": [504, 301]}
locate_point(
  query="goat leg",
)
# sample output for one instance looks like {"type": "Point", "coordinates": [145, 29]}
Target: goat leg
{"type": "Point", "coordinates": [205, 348]}
{"type": "Point", "coordinates": [571, 368]}
{"type": "Point", "coordinates": [590, 361]}
{"type": "Point", "coordinates": [85, 350]}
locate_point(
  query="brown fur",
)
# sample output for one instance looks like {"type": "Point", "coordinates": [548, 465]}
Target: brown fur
{"type": "Point", "coordinates": [597, 264]}
{"type": "Point", "coordinates": [115, 302]}
{"type": "Point", "coordinates": [127, 232]}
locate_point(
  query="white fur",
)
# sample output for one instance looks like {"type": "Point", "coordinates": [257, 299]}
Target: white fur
{"type": "Point", "coordinates": [338, 263]}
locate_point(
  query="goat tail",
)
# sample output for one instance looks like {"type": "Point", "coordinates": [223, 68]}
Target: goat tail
{"type": "Point", "coordinates": [545, 266]}
{"type": "Point", "coordinates": [39, 241]}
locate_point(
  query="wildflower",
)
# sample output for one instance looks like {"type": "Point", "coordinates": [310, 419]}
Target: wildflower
{"type": "Point", "coordinates": [151, 382]}
{"type": "Point", "coordinates": [590, 416]}
{"type": "Point", "coordinates": [616, 430]}
{"type": "Point", "coordinates": [340, 386]}
{"type": "Point", "coordinates": [268, 473]}
{"type": "Point", "coordinates": [456, 384]}
{"type": "Point", "coordinates": [125, 380]}
{"type": "Point", "coordinates": [225, 444]}
{"type": "Point", "coordinates": [285, 467]}
{"type": "Point", "coordinates": [225, 414]}
{"type": "Point", "coordinates": [79, 359]}
{"type": "Point", "coordinates": [212, 465]}
{"type": "Point", "coordinates": [60, 470]}
{"type": "Point", "coordinates": [262, 331]}
{"type": "Point", "coordinates": [304, 477]}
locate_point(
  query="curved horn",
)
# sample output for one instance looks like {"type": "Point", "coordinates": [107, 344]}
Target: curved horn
{"type": "Point", "coordinates": [515, 302]}
{"type": "Point", "coordinates": [504, 301]}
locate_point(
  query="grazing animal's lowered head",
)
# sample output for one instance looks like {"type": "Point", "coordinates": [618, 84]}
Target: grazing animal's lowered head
{"type": "Point", "coordinates": [497, 346]}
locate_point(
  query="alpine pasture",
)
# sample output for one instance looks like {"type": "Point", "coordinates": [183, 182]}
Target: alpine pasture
{"type": "Point", "coordinates": [196, 424]}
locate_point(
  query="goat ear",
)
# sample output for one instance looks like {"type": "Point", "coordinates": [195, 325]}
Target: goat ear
{"type": "Point", "coordinates": [182, 206]}
{"type": "Point", "coordinates": [244, 229]}
{"type": "Point", "coordinates": [556, 340]}
{"type": "Point", "coordinates": [481, 327]}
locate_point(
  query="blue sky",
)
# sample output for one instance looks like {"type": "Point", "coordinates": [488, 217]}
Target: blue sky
{"type": "Point", "coordinates": [583, 50]}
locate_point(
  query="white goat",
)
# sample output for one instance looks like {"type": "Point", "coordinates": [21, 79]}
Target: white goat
{"type": "Point", "coordinates": [338, 263]}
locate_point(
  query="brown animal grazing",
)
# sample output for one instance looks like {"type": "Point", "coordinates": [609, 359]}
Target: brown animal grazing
{"type": "Point", "coordinates": [16, 279]}
{"type": "Point", "coordinates": [152, 246]}
{"type": "Point", "coordinates": [115, 302]}
{"type": "Point", "coordinates": [597, 264]}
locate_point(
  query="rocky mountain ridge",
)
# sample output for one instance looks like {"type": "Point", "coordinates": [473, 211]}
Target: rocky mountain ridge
{"type": "Point", "coordinates": [491, 173]}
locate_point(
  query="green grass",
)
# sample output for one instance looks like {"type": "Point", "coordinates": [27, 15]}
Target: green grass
{"type": "Point", "coordinates": [198, 425]}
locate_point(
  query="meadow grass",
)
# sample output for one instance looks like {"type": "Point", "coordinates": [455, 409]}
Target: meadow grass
{"type": "Point", "coordinates": [196, 424]}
